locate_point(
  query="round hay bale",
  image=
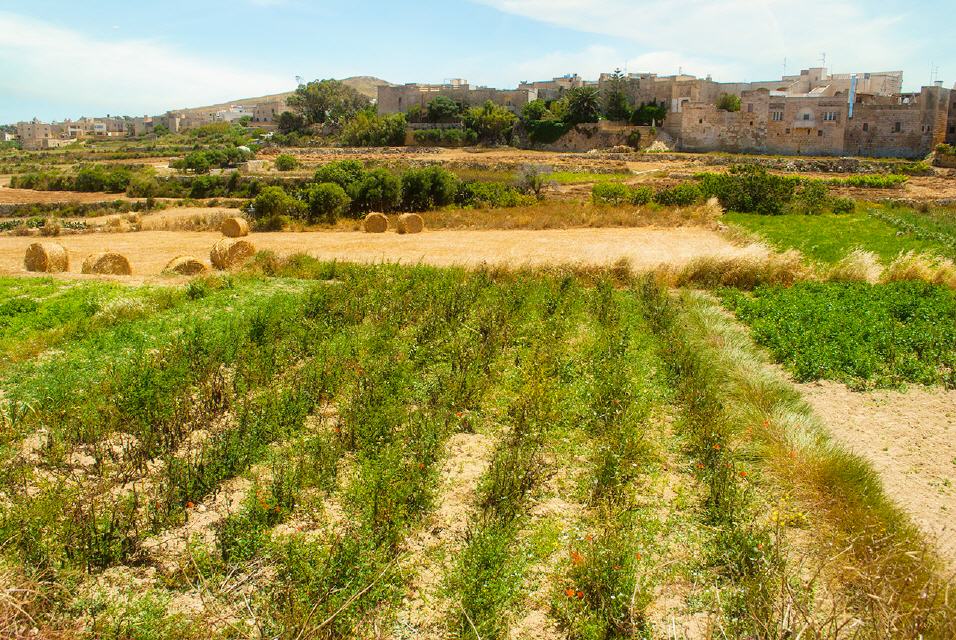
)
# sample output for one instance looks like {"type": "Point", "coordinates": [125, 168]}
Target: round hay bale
{"type": "Point", "coordinates": [186, 266]}
{"type": "Point", "coordinates": [375, 223]}
{"type": "Point", "coordinates": [228, 253]}
{"type": "Point", "coordinates": [107, 263]}
{"type": "Point", "coordinates": [235, 228]}
{"type": "Point", "coordinates": [410, 223]}
{"type": "Point", "coordinates": [47, 257]}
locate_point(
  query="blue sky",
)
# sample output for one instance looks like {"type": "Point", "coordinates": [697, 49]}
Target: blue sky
{"type": "Point", "coordinates": [67, 59]}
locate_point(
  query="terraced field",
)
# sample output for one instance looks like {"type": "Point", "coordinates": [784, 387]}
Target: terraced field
{"type": "Point", "coordinates": [412, 452]}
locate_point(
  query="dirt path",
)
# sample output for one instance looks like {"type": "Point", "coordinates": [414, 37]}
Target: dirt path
{"type": "Point", "coordinates": [150, 251]}
{"type": "Point", "coordinates": [29, 196]}
{"type": "Point", "coordinates": [910, 437]}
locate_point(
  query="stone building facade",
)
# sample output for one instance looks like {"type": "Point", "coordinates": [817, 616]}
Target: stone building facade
{"type": "Point", "coordinates": [901, 125]}
{"type": "Point", "coordinates": [401, 98]}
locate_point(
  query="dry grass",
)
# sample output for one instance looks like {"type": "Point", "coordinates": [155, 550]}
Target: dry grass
{"type": "Point", "coordinates": [920, 266]}
{"type": "Point", "coordinates": [742, 272]}
{"type": "Point", "coordinates": [559, 215]}
{"type": "Point", "coordinates": [857, 266]}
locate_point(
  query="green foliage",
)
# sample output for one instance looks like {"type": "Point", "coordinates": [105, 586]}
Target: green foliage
{"type": "Point", "coordinates": [344, 173]}
{"type": "Point", "coordinates": [327, 102]}
{"type": "Point", "coordinates": [871, 181]}
{"type": "Point", "coordinates": [492, 123]}
{"type": "Point", "coordinates": [376, 190]}
{"type": "Point", "coordinates": [812, 199]}
{"type": "Point", "coordinates": [428, 188]}
{"type": "Point", "coordinates": [547, 131]}
{"type": "Point", "coordinates": [367, 129]}
{"type": "Point", "coordinates": [843, 205]}
{"type": "Point", "coordinates": [535, 111]}
{"type": "Point", "coordinates": [728, 102]}
{"type": "Point", "coordinates": [609, 193]}
{"type": "Point", "coordinates": [864, 335]}
{"type": "Point", "coordinates": [649, 114]}
{"type": "Point", "coordinates": [946, 149]}
{"type": "Point", "coordinates": [274, 201]}
{"type": "Point", "coordinates": [200, 162]}
{"type": "Point", "coordinates": [111, 179]}
{"type": "Point", "coordinates": [443, 109]}
{"type": "Point", "coordinates": [616, 105]}
{"type": "Point", "coordinates": [584, 105]}
{"type": "Point", "coordinates": [327, 201]}
{"type": "Point", "coordinates": [682, 195]}
{"type": "Point", "coordinates": [750, 189]}
{"type": "Point", "coordinates": [286, 162]}
{"type": "Point", "coordinates": [492, 195]}
{"type": "Point", "coordinates": [290, 122]}
{"type": "Point", "coordinates": [445, 137]}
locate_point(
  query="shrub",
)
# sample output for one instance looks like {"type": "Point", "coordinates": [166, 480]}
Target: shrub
{"type": "Point", "coordinates": [103, 178]}
{"type": "Point", "coordinates": [368, 129]}
{"type": "Point", "coordinates": [682, 195]}
{"type": "Point", "coordinates": [641, 195]}
{"type": "Point", "coordinates": [286, 162]}
{"type": "Point", "coordinates": [274, 201]}
{"type": "Point", "coordinates": [428, 188]}
{"type": "Point", "coordinates": [812, 199]}
{"type": "Point", "coordinates": [609, 193]}
{"type": "Point", "coordinates": [749, 189]}
{"type": "Point", "coordinates": [843, 205]}
{"type": "Point", "coordinates": [376, 190]}
{"type": "Point", "coordinates": [547, 131]}
{"type": "Point", "coordinates": [493, 195]}
{"type": "Point", "coordinates": [344, 173]}
{"type": "Point", "coordinates": [729, 102]}
{"type": "Point", "coordinates": [867, 181]}
{"type": "Point", "coordinates": [327, 202]}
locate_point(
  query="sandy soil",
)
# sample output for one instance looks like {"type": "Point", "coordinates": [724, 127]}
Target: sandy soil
{"type": "Point", "coordinates": [911, 439]}
{"type": "Point", "coordinates": [150, 251]}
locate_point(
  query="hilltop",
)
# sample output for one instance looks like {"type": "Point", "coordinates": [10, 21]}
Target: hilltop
{"type": "Point", "coordinates": [366, 85]}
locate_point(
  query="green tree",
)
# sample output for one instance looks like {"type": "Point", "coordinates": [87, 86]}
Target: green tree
{"type": "Point", "coordinates": [616, 105]}
{"type": "Point", "coordinates": [584, 105]}
{"type": "Point", "coordinates": [376, 190]}
{"type": "Point", "coordinates": [535, 111]}
{"type": "Point", "coordinates": [649, 114]}
{"type": "Point", "coordinates": [428, 188]}
{"type": "Point", "coordinates": [729, 102]}
{"type": "Point", "coordinates": [273, 202]}
{"type": "Point", "coordinates": [327, 102]}
{"type": "Point", "coordinates": [327, 202]}
{"type": "Point", "coordinates": [289, 122]}
{"type": "Point", "coordinates": [443, 109]}
{"type": "Point", "coordinates": [491, 122]}
{"type": "Point", "coordinates": [286, 162]}
{"type": "Point", "coordinates": [367, 129]}
{"type": "Point", "coordinates": [344, 173]}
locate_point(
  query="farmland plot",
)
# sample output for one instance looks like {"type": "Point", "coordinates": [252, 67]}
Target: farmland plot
{"type": "Point", "coordinates": [413, 452]}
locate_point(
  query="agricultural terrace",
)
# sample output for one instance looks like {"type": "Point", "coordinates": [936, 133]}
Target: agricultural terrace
{"type": "Point", "coordinates": [313, 449]}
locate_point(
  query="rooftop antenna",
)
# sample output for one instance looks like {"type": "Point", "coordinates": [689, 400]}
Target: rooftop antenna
{"type": "Point", "coordinates": [784, 66]}
{"type": "Point", "coordinates": [823, 57]}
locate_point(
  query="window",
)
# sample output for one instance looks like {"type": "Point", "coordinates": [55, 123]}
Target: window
{"type": "Point", "coordinates": [952, 129]}
{"type": "Point", "coordinates": [866, 126]}
{"type": "Point", "coordinates": [820, 133]}
{"type": "Point", "coordinates": [898, 127]}
{"type": "Point", "coordinates": [788, 131]}
{"type": "Point", "coordinates": [750, 108]}
{"type": "Point", "coordinates": [701, 121]}
{"type": "Point", "coordinates": [777, 116]}
{"type": "Point", "coordinates": [830, 116]}
{"type": "Point", "coordinates": [806, 117]}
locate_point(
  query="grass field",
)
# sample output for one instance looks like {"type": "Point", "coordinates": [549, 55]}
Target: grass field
{"type": "Point", "coordinates": [283, 455]}
{"type": "Point", "coordinates": [885, 231]}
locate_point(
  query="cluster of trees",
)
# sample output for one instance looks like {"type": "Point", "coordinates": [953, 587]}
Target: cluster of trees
{"type": "Point", "coordinates": [200, 162]}
{"type": "Point", "coordinates": [750, 188]}
{"type": "Point", "coordinates": [348, 188]}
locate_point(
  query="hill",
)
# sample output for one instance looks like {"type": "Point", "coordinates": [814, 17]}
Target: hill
{"type": "Point", "coordinates": [366, 85]}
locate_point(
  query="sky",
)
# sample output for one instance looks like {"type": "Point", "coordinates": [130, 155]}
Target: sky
{"type": "Point", "coordinates": [65, 59]}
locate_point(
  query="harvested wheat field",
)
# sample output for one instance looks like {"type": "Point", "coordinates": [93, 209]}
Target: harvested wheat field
{"type": "Point", "coordinates": [646, 248]}
{"type": "Point", "coordinates": [29, 196]}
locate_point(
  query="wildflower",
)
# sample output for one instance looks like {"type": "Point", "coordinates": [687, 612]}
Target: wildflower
{"type": "Point", "coordinates": [421, 466]}
{"type": "Point", "coordinates": [189, 505]}
{"type": "Point", "coordinates": [637, 556]}
{"type": "Point", "coordinates": [743, 474]}
{"type": "Point", "coordinates": [576, 558]}
{"type": "Point", "coordinates": [459, 414]}
{"type": "Point", "coordinates": [589, 538]}
{"type": "Point", "coordinates": [569, 592]}
{"type": "Point", "coordinates": [766, 423]}
{"type": "Point", "coordinates": [716, 447]}
{"type": "Point", "coordinates": [760, 547]}
{"type": "Point", "coordinates": [700, 465]}
{"type": "Point", "coordinates": [580, 595]}
{"type": "Point", "coordinates": [617, 567]}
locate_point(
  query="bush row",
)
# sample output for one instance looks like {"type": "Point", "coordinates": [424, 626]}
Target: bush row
{"type": "Point", "coordinates": [349, 189]}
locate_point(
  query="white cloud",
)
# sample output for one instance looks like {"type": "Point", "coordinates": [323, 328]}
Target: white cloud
{"type": "Point", "coordinates": [43, 62]}
{"type": "Point", "coordinates": [734, 35]}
